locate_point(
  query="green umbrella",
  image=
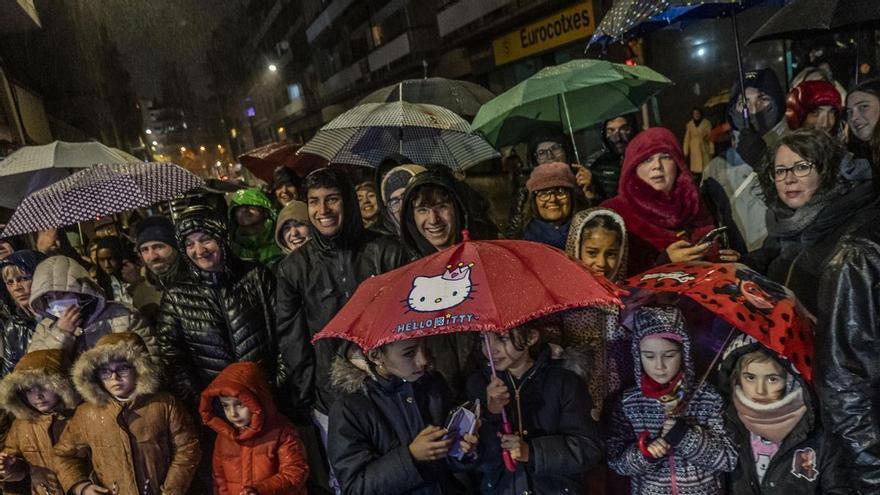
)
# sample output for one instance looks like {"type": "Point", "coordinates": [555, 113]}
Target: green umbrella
{"type": "Point", "coordinates": [576, 95]}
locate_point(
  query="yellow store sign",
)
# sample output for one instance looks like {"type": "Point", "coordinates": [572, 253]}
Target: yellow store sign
{"type": "Point", "coordinates": [571, 24]}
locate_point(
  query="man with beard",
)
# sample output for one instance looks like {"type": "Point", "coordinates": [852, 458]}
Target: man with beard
{"type": "Point", "coordinates": [314, 282]}
{"type": "Point", "coordinates": [605, 166]}
{"type": "Point", "coordinates": [157, 248]}
{"type": "Point", "coordinates": [730, 181]}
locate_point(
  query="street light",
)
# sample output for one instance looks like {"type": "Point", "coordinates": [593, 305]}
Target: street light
{"type": "Point", "coordinates": [202, 149]}
{"type": "Point", "coordinates": [183, 149]}
{"type": "Point", "coordinates": [155, 143]}
{"type": "Point", "coordinates": [148, 131]}
{"type": "Point", "coordinates": [273, 67]}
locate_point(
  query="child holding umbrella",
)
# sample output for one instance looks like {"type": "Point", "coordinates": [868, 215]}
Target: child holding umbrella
{"type": "Point", "coordinates": [556, 441]}
{"type": "Point", "coordinates": [667, 434]}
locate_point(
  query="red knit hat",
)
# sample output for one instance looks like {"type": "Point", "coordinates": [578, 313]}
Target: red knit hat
{"type": "Point", "coordinates": [556, 174]}
{"type": "Point", "coordinates": [808, 96]}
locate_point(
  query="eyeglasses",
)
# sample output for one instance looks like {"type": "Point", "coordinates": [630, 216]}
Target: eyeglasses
{"type": "Point", "coordinates": [548, 152]}
{"type": "Point", "coordinates": [394, 204]}
{"type": "Point", "coordinates": [123, 371]}
{"type": "Point", "coordinates": [799, 169]}
{"type": "Point", "coordinates": [556, 192]}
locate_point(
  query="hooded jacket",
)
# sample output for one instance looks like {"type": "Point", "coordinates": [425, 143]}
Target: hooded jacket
{"type": "Point", "coordinates": [730, 184]}
{"type": "Point", "coordinates": [390, 177]}
{"type": "Point", "coordinates": [653, 218]}
{"type": "Point", "coordinates": [260, 247]}
{"type": "Point", "coordinates": [33, 435]}
{"type": "Point", "coordinates": [371, 427]}
{"type": "Point", "coordinates": [20, 326]}
{"type": "Point", "coordinates": [295, 210]}
{"type": "Point", "coordinates": [314, 282]}
{"type": "Point", "coordinates": [267, 455]}
{"type": "Point", "coordinates": [215, 318]}
{"type": "Point", "coordinates": [99, 316]}
{"type": "Point", "coordinates": [785, 472]}
{"type": "Point", "coordinates": [607, 163]}
{"type": "Point", "coordinates": [147, 444]}
{"type": "Point", "coordinates": [705, 450]}
{"type": "Point", "coordinates": [564, 441]}
{"type": "Point", "coordinates": [847, 368]}
{"type": "Point", "coordinates": [576, 237]}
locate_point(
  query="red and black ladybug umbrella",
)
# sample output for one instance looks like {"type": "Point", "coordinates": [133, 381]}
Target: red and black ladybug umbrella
{"type": "Point", "coordinates": [752, 303]}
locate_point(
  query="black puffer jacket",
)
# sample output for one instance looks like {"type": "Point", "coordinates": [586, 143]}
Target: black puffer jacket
{"type": "Point", "coordinates": [211, 320]}
{"type": "Point", "coordinates": [807, 441]}
{"type": "Point", "coordinates": [564, 441]}
{"type": "Point", "coordinates": [371, 427]}
{"type": "Point", "coordinates": [314, 282]}
{"type": "Point", "coordinates": [847, 347]}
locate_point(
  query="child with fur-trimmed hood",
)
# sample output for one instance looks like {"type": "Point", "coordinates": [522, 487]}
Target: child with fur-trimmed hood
{"type": "Point", "coordinates": [774, 422]}
{"type": "Point", "coordinates": [665, 436]}
{"type": "Point", "coordinates": [41, 397]}
{"type": "Point", "coordinates": [257, 450]}
{"type": "Point", "coordinates": [128, 437]}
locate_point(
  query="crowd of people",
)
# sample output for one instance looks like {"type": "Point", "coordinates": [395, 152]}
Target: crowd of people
{"type": "Point", "coordinates": [177, 357]}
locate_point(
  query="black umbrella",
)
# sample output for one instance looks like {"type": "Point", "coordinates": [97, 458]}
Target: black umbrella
{"type": "Point", "coordinates": [462, 97]}
{"type": "Point", "coordinates": [806, 18]}
{"type": "Point", "coordinates": [99, 191]}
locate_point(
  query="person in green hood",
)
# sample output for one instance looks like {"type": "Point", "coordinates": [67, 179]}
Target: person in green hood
{"type": "Point", "coordinates": [252, 227]}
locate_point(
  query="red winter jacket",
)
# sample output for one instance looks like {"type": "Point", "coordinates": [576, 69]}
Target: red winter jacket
{"type": "Point", "coordinates": [267, 456]}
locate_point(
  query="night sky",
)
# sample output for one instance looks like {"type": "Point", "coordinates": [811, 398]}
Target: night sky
{"type": "Point", "coordinates": [150, 32]}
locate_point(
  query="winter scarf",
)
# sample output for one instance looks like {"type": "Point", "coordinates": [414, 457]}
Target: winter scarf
{"type": "Point", "coordinates": [669, 394]}
{"type": "Point", "coordinates": [771, 421]}
{"type": "Point", "coordinates": [651, 215]}
{"type": "Point", "coordinates": [549, 233]}
{"type": "Point", "coordinates": [825, 211]}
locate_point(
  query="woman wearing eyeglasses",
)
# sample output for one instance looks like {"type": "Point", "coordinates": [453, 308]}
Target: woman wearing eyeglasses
{"type": "Point", "coordinates": [660, 203]}
{"type": "Point", "coordinates": [809, 199]}
{"type": "Point", "coordinates": [554, 198]}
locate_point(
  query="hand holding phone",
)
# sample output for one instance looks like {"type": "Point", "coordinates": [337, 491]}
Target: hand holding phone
{"type": "Point", "coordinates": [712, 235]}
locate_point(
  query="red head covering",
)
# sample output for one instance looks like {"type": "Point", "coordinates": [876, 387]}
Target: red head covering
{"type": "Point", "coordinates": [808, 96]}
{"type": "Point", "coordinates": [652, 215]}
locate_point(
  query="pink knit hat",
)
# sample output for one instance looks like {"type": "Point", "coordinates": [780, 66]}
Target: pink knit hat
{"type": "Point", "coordinates": [549, 175]}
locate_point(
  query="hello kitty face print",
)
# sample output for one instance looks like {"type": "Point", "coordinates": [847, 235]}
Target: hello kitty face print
{"type": "Point", "coordinates": [444, 291]}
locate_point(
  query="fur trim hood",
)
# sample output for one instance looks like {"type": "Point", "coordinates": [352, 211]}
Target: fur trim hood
{"type": "Point", "coordinates": [46, 368]}
{"type": "Point", "coordinates": [576, 232]}
{"type": "Point", "coordinates": [348, 377]}
{"type": "Point", "coordinates": [125, 345]}
{"type": "Point", "coordinates": [247, 382]}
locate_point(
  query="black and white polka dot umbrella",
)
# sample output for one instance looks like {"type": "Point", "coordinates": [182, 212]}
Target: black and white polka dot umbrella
{"type": "Point", "coordinates": [99, 191]}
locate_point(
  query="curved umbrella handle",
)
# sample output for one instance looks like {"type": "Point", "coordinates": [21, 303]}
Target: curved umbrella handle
{"type": "Point", "coordinates": [509, 463]}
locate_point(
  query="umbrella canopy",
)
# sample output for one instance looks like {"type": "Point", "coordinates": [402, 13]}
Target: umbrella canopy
{"type": "Point", "coordinates": [98, 191]}
{"type": "Point", "coordinates": [262, 161]}
{"type": "Point", "coordinates": [578, 94]}
{"type": "Point", "coordinates": [631, 18]}
{"type": "Point", "coordinates": [34, 167]}
{"type": "Point", "coordinates": [806, 18]}
{"type": "Point", "coordinates": [369, 133]}
{"type": "Point", "coordinates": [477, 286]}
{"type": "Point", "coordinates": [755, 305]}
{"type": "Point", "coordinates": [462, 97]}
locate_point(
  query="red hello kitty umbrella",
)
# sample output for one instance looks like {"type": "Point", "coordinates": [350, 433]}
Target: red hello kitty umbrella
{"type": "Point", "coordinates": [752, 303]}
{"type": "Point", "coordinates": [473, 286]}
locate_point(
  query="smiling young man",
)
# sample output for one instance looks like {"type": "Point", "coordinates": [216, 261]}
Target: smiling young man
{"type": "Point", "coordinates": [433, 214]}
{"type": "Point", "coordinates": [316, 280]}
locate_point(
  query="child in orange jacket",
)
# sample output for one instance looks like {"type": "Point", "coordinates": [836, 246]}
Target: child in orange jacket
{"type": "Point", "coordinates": [257, 451]}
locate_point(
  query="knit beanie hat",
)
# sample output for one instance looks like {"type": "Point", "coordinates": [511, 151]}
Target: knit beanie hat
{"type": "Point", "coordinates": [556, 174]}
{"type": "Point", "coordinates": [155, 229]}
{"type": "Point", "coordinates": [397, 178]}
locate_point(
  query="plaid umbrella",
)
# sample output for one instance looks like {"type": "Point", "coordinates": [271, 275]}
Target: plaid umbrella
{"type": "Point", "coordinates": [462, 97]}
{"type": "Point", "coordinates": [98, 191]}
{"type": "Point", "coordinates": [369, 133]}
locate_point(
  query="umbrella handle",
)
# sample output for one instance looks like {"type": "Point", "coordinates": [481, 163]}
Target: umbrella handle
{"type": "Point", "coordinates": [509, 463]}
